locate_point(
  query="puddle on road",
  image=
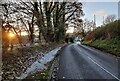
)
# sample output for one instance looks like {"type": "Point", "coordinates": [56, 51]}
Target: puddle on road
{"type": "Point", "coordinates": [39, 64]}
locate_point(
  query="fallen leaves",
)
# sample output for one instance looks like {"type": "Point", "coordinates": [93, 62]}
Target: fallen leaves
{"type": "Point", "coordinates": [14, 64]}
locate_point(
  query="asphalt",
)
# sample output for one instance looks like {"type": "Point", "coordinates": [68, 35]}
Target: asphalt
{"type": "Point", "coordinates": [77, 62]}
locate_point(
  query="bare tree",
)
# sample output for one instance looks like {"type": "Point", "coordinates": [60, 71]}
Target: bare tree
{"type": "Point", "coordinates": [49, 17]}
{"type": "Point", "coordinates": [88, 25]}
{"type": "Point", "coordinates": [110, 18]}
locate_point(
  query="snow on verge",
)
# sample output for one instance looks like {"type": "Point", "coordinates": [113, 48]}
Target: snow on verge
{"type": "Point", "coordinates": [39, 64]}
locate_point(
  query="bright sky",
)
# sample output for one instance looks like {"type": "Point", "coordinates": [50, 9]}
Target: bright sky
{"type": "Point", "coordinates": [100, 9]}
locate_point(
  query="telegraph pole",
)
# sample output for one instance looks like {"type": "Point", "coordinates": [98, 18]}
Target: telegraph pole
{"type": "Point", "coordinates": [103, 20]}
{"type": "Point", "coordinates": [94, 21]}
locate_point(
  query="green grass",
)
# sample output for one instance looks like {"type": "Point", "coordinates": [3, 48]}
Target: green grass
{"type": "Point", "coordinates": [109, 45]}
{"type": "Point", "coordinates": [105, 37]}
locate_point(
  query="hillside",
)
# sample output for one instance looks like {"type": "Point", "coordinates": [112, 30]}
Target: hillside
{"type": "Point", "coordinates": [106, 38]}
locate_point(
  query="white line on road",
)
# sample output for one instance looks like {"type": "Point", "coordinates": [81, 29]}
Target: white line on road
{"type": "Point", "coordinates": [104, 69]}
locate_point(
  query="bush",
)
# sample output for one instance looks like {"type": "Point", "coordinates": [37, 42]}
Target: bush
{"type": "Point", "coordinates": [106, 37]}
{"type": "Point", "coordinates": [110, 30]}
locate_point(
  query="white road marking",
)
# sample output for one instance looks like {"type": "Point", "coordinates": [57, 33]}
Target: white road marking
{"type": "Point", "coordinates": [104, 69]}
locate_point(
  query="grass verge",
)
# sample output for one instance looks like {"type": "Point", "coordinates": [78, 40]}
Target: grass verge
{"type": "Point", "coordinates": [109, 45]}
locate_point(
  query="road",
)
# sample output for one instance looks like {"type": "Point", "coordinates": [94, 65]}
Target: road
{"type": "Point", "coordinates": [83, 62]}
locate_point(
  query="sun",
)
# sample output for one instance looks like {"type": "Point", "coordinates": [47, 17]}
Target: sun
{"type": "Point", "coordinates": [11, 35]}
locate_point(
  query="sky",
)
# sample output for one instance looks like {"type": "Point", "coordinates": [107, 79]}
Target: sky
{"type": "Point", "coordinates": [99, 9]}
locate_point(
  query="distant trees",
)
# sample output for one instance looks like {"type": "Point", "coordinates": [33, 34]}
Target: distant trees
{"type": "Point", "coordinates": [110, 18]}
{"type": "Point", "coordinates": [88, 25]}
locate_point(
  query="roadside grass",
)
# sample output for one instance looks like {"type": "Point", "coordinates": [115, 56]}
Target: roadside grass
{"type": "Point", "coordinates": [106, 38]}
{"type": "Point", "coordinates": [109, 45]}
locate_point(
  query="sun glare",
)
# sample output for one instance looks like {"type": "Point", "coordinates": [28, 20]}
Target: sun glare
{"type": "Point", "coordinates": [11, 35]}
